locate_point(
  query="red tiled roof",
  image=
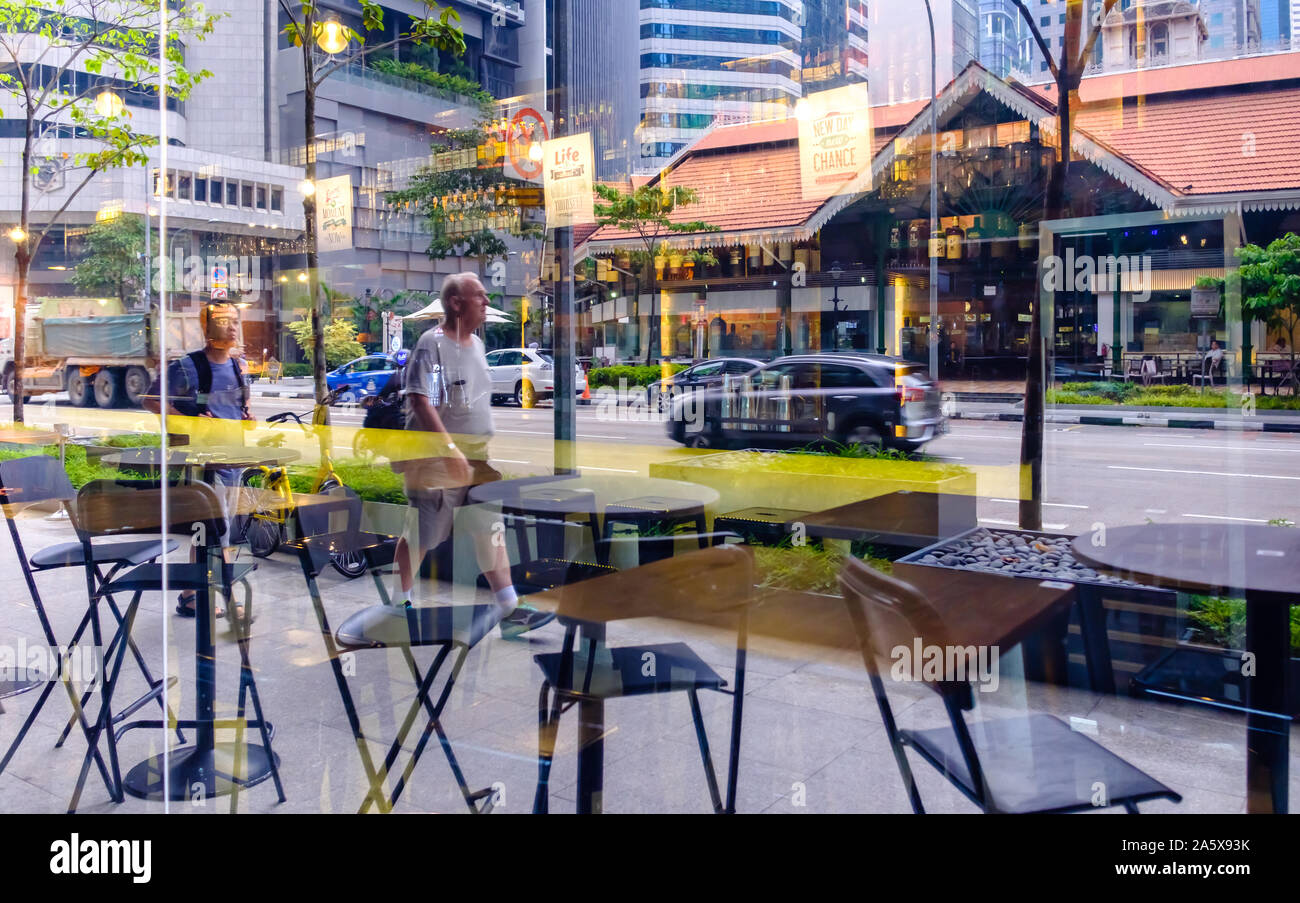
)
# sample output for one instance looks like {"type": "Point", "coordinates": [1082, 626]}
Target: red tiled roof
{"type": "Point", "coordinates": [1190, 138]}
{"type": "Point", "coordinates": [1251, 70]}
{"type": "Point", "coordinates": [1200, 145]}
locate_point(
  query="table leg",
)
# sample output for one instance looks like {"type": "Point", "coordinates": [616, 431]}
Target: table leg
{"type": "Point", "coordinates": [591, 736]}
{"type": "Point", "coordinates": [1268, 725]}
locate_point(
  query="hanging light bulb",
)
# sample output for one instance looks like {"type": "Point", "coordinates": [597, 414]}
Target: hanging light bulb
{"type": "Point", "coordinates": [108, 104]}
{"type": "Point", "coordinates": [332, 38]}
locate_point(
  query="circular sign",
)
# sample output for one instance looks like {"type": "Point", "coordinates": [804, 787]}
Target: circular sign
{"type": "Point", "coordinates": [526, 129]}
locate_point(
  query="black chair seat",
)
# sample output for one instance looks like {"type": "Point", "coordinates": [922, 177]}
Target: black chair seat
{"type": "Point", "coordinates": [147, 578]}
{"type": "Point", "coordinates": [383, 626]}
{"type": "Point", "coordinates": [1037, 764]}
{"type": "Point", "coordinates": [72, 554]}
{"type": "Point", "coordinates": [676, 668]}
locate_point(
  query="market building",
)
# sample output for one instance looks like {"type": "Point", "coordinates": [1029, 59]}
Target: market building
{"type": "Point", "coordinates": [1173, 169]}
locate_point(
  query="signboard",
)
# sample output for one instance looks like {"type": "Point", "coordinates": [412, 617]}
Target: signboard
{"type": "Point", "coordinates": [392, 333]}
{"type": "Point", "coordinates": [1205, 303]}
{"type": "Point", "coordinates": [528, 129]}
{"type": "Point", "coordinates": [835, 142]}
{"type": "Point", "coordinates": [220, 276]}
{"type": "Point", "coordinates": [568, 171]}
{"type": "Point", "coordinates": [334, 214]}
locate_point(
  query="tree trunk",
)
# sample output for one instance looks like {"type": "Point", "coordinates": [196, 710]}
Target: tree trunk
{"type": "Point", "coordinates": [1032, 435]}
{"type": "Point", "coordinates": [23, 259]}
{"type": "Point", "coordinates": [652, 321]}
{"type": "Point", "coordinates": [309, 214]}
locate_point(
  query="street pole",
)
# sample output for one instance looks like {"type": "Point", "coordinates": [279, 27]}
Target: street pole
{"type": "Point", "coordinates": [934, 199]}
{"type": "Point", "coordinates": [565, 402]}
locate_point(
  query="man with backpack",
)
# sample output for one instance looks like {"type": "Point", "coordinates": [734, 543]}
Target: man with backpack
{"type": "Point", "coordinates": [212, 384]}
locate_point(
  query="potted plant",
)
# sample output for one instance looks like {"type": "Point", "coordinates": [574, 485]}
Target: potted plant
{"type": "Point", "coordinates": [701, 259]}
{"type": "Point", "coordinates": [1207, 296]}
{"type": "Point", "coordinates": [661, 262]}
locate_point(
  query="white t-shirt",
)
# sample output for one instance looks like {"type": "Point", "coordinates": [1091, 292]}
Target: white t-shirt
{"type": "Point", "coordinates": [455, 379]}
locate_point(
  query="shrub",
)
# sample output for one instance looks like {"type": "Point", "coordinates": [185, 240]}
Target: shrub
{"type": "Point", "coordinates": [297, 370]}
{"type": "Point", "coordinates": [415, 72]}
{"type": "Point", "coordinates": [634, 375]}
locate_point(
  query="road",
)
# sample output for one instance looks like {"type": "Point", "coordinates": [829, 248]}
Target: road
{"type": "Point", "coordinates": [1094, 474]}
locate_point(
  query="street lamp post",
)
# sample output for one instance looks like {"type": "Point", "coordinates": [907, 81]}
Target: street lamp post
{"type": "Point", "coordinates": [836, 272]}
{"type": "Point", "coordinates": [934, 199]}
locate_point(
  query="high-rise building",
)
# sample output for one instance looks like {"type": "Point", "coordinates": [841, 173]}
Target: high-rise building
{"type": "Point", "coordinates": [835, 43]}
{"type": "Point", "coordinates": [1234, 27]}
{"type": "Point", "coordinates": [1275, 24]}
{"type": "Point", "coordinates": [1006, 48]}
{"type": "Point", "coordinates": [900, 47]}
{"type": "Point", "coordinates": [705, 62]}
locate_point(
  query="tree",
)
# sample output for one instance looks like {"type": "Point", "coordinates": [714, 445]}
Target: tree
{"type": "Point", "coordinates": [341, 345]}
{"type": "Point", "coordinates": [59, 62]}
{"type": "Point", "coordinates": [114, 259]}
{"type": "Point", "coordinates": [1067, 72]}
{"type": "Point", "coordinates": [1270, 287]}
{"type": "Point", "coordinates": [466, 208]}
{"type": "Point", "coordinates": [308, 29]}
{"type": "Point", "coordinates": [648, 211]}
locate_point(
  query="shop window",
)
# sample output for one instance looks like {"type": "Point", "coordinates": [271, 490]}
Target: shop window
{"type": "Point", "coordinates": [1160, 41]}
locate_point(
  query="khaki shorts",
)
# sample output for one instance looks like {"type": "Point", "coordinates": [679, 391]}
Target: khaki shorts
{"type": "Point", "coordinates": [435, 497]}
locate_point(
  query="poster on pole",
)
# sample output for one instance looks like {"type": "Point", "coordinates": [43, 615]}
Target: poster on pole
{"type": "Point", "coordinates": [835, 142]}
{"type": "Point", "coordinates": [334, 214]}
{"type": "Point", "coordinates": [569, 167]}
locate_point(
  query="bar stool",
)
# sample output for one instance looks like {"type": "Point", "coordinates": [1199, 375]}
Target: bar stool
{"type": "Point", "coordinates": [654, 516]}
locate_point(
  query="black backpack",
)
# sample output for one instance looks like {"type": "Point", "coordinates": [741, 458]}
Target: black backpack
{"type": "Point", "coordinates": [203, 367]}
{"type": "Point", "coordinates": [388, 411]}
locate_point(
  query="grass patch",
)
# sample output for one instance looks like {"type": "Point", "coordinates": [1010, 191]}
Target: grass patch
{"type": "Point", "coordinates": [1216, 621]}
{"type": "Point", "coordinates": [1113, 393]}
{"type": "Point", "coordinates": [823, 464]}
{"type": "Point", "coordinates": [79, 469]}
{"type": "Point", "coordinates": [805, 569]}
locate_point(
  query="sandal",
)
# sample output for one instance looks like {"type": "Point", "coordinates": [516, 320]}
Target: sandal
{"type": "Point", "coordinates": [185, 607]}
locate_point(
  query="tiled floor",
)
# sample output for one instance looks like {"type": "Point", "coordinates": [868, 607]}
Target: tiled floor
{"type": "Point", "coordinates": [813, 740]}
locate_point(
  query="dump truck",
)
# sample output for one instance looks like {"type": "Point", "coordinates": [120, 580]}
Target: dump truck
{"type": "Point", "coordinates": [91, 348]}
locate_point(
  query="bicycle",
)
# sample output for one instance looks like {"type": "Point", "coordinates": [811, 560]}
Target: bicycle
{"type": "Point", "coordinates": [265, 528]}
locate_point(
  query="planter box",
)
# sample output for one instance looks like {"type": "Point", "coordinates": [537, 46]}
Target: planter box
{"type": "Point", "coordinates": [1134, 612]}
{"type": "Point", "coordinates": [746, 479]}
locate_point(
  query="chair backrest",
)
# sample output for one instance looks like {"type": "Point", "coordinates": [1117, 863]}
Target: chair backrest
{"type": "Point", "coordinates": [31, 480]}
{"type": "Point", "coordinates": [889, 614]}
{"type": "Point", "coordinates": [328, 523]}
{"type": "Point", "coordinates": [134, 507]}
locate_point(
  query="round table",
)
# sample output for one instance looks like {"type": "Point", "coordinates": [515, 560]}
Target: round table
{"type": "Point", "coordinates": [14, 435]}
{"type": "Point", "coordinates": [205, 458]}
{"type": "Point", "coordinates": [1261, 563]}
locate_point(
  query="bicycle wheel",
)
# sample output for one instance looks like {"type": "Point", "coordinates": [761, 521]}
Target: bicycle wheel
{"type": "Point", "coordinates": [350, 564]}
{"type": "Point", "coordinates": [260, 527]}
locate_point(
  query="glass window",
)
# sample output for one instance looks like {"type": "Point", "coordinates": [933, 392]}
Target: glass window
{"type": "Point", "coordinates": [246, 196]}
{"type": "Point", "coordinates": [232, 193]}
{"type": "Point", "coordinates": [277, 200]}
{"type": "Point", "coordinates": [215, 191]}
{"type": "Point", "coordinates": [200, 190]}
{"type": "Point", "coordinates": [261, 197]}
{"type": "Point", "coordinates": [184, 186]}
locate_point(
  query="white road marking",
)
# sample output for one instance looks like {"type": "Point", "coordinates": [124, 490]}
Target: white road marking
{"type": "Point", "coordinates": [978, 436]}
{"type": "Point", "coordinates": [1045, 504]}
{"type": "Point", "coordinates": [1203, 473]}
{"type": "Point", "coordinates": [1244, 520]}
{"type": "Point", "coordinates": [606, 469]}
{"type": "Point", "coordinates": [1011, 523]}
{"type": "Point", "coordinates": [1243, 447]}
{"type": "Point", "coordinates": [508, 461]}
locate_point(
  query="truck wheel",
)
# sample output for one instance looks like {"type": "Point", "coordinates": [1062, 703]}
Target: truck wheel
{"type": "Point", "coordinates": [7, 379]}
{"type": "Point", "coordinates": [81, 392]}
{"type": "Point", "coordinates": [136, 382]}
{"type": "Point", "coordinates": [108, 389]}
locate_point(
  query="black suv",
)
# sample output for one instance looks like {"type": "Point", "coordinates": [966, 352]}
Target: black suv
{"type": "Point", "coordinates": [707, 375]}
{"type": "Point", "coordinates": [853, 399]}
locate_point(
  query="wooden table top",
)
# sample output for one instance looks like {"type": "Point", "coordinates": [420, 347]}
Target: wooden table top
{"type": "Point", "coordinates": [975, 608]}
{"type": "Point", "coordinates": [899, 514]}
{"type": "Point", "coordinates": [1201, 558]}
{"type": "Point", "coordinates": [11, 435]}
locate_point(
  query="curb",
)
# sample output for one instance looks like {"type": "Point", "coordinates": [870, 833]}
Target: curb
{"type": "Point", "coordinates": [1240, 426]}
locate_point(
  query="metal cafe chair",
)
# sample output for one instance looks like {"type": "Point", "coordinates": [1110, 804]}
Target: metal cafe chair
{"type": "Point", "coordinates": [1011, 765]}
{"type": "Point", "coordinates": [108, 508]}
{"type": "Point", "coordinates": [332, 523]}
{"type": "Point", "coordinates": [40, 480]}
{"type": "Point", "coordinates": [710, 585]}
